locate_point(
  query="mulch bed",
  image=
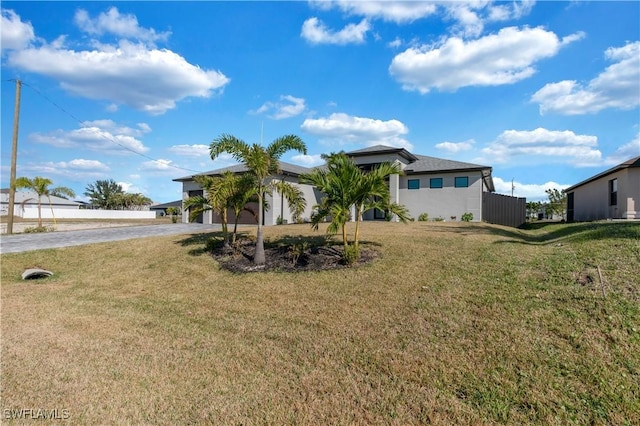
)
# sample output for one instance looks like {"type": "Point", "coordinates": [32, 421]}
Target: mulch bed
{"type": "Point", "coordinates": [286, 258]}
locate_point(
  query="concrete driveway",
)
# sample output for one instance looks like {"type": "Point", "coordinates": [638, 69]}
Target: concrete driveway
{"type": "Point", "coordinates": [26, 242]}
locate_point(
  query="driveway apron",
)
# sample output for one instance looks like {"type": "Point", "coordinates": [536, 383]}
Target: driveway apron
{"type": "Point", "coordinates": [37, 241]}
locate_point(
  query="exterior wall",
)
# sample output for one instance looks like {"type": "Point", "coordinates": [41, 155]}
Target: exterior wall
{"type": "Point", "coordinates": [443, 202]}
{"type": "Point", "coordinates": [591, 200]}
{"type": "Point", "coordinates": [277, 204]}
{"type": "Point", "coordinates": [32, 213]}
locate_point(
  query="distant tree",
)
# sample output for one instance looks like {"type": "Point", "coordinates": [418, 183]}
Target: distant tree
{"type": "Point", "coordinates": [533, 207]}
{"type": "Point", "coordinates": [40, 186]}
{"type": "Point", "coordinates": [129, 201]}
{"type": "Point", "coordinates": [104, 194]}
{"type": "Point", "coordinates": [261, 162]}
{"type": "Point", "coordinates": [557, 202]}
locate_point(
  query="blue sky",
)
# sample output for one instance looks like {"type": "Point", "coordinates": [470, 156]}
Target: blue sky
{"type": "Point", "coordinates": [547, 93]}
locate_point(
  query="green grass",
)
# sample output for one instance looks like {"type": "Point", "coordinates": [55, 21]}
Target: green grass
{"type": "Point", "coordinates": [452, 324]}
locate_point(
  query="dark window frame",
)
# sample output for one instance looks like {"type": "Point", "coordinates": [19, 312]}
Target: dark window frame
{"type": "Point", "coordinates": [413, 181]}
{"type": "Point", "coordinates": [432, 180]}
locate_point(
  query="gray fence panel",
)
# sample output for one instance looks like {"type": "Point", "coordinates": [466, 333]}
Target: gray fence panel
{"type": "Point", "coordinates": [504, 210]}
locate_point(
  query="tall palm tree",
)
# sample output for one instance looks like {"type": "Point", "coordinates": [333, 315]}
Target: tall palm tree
{"type": "Point", "coordinates": [346, 186]}
{"type": "Point", "coordinates": [261, 162]}
{"type": "Point", "coordinates": [40, 186]}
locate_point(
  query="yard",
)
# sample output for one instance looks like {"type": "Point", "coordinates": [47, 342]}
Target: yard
{"type": "Point", "coordinates": [450, 324]}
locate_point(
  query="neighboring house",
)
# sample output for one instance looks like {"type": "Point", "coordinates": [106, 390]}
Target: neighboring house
{"type": "Point", "coordinates": [161, 209]}
{"type": "Point", "coordinates": [612, 194]}
{"type": "Point", "coordinates": [443, 189]}
{"type": "Point", "coordinates": [29, 200]}
{"type": "Point", "coordinates": [277, 203]}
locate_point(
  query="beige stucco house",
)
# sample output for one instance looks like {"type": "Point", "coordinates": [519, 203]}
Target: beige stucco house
{"type": "Point", "coordinates": [441, 188]}
{"type": "Point", "coordinates": [612, 194]}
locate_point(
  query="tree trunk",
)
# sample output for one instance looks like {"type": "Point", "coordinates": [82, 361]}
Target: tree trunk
{"type": "Point", "coordinates": [259, 258]}
{"type": "Point", "coordinates": [39, 213]}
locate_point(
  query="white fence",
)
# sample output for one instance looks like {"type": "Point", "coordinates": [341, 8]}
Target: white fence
{"type": "Point", "coordinates": [48, 213]}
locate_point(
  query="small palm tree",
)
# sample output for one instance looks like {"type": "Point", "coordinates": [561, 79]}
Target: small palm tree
{"type": "Point", "coordinates": [261, 162]}
{"type": "Point", "coordinates": [40, 186]}
{"type": "Point", "coordinates": [346, 186]}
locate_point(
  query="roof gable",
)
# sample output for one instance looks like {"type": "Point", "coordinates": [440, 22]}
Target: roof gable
{"type": "Point", "coordinates": [631, 163]}
{"type": "Point", "coordinates": [286, 168]}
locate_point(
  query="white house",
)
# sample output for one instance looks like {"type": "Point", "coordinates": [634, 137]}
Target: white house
{"type": "Point", "coordinates": [441, 188]}
{"type": "Point", "coordinates": [612, 194]}
{"type": "Point", "coordinates": [27, 201]}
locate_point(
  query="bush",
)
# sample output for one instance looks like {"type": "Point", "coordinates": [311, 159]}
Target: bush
{"type": "Point", "coordinates": [350, 255]}
{"type": "Point", "coordinates": [467, 217]}
{"type": "Point", "coordinates": [36, 229]}
{"type": "Point", "coordinates": [423, 217]}
{"type": "Point", "coordinates": [438, 219]}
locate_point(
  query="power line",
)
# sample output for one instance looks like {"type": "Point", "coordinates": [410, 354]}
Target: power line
{"type": "Point", "coordinates": [102, 135]}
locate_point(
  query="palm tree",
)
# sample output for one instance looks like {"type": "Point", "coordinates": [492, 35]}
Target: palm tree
{"type": "Point", "coordinates": [261, 162]}
{"type": "Point", "coordinates": [40, 186]}
{"type": "Point", "coordinates": [346, 186]}
{"type": "Point", "coordinates": [219, 191]}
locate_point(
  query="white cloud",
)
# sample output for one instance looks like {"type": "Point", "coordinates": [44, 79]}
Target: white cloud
{"type": "Point", "coordinates": [99, 135]}
{"type": "Point", "coordinates": [544, 146]}
{"type": "Point", "coordinates": [308, 160]}
{"type": "Point", "coordinates": [340, 128]}
{"type": "Point", "coordinates": [397, 42]}
{"type": "Point", "coordinates": [196, 150]}
{"type": "Point", "coordinates": [396, 11]}
{"type": "Point", "coordinates": [315, 32]}
{"type": "Point", "coordinates": [76, 169]}
{"type": "Point", "coordinates": [131, 188]}
{"type": "Point", "coordinates": [617, 87]}
{"type": "Point", "coordinates": [127, 73]}
{"type": "Point", "coordinates": [503, 58]}
{"type": "Point", "coordinates": [531, 191]}
{"type": "Point", "coordinates": [159, 165]}
{"type": "Point", "coordinates": [112, 22]}
{"type": "Point", "coordinates": [455, 147]}
{"type": "Point", "coordinates": [468, 16]}
{"type": "Point", "coordinates": [625, 152]}
{"type": "Point", "coordinates": [15, 34]}
{"type": "Point", "coordinates": [288, 106]}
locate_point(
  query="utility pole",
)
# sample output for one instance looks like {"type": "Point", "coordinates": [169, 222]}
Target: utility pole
{"type": "Point", "coordinates": [512, 187]}
{"type": "Point", "coordinates": [14, 159]}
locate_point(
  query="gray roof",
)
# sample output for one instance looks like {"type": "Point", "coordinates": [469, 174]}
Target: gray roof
{"type": "Point", "coordinates": [433, 164]}
{"type": "Point", "coordinates": [163, 206]}
{"type": "Point", "coordinates": [29, 197]}
{"type": "Point", "coordinates": [634, 162]}
{"type": "Point", "coordinates": [382, 149]}
{"type": "Point", "coordinates": [287, 169]}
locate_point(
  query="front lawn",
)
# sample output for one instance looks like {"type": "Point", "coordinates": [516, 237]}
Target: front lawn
{"type": "Point", "coordinates": [451, 323]}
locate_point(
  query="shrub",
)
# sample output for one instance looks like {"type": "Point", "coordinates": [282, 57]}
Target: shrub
{"type": "Point", "coordinates": [36, 229]}
{"type": "Point", "coordinates": [438, 219]}
{"type": "Point", "coordinates": [350, 255]}
{"type": "Point", "coordinates": [467, 217]}
{"type": "Point", "coordinates": [423, 217]}
{"type": "Point", "coordinates": [298, 250]}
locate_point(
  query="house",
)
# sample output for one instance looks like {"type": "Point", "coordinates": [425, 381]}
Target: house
{"type": "Point", "coordinates": [25, 200]}
{"type": "Point", "coordinates": [612, 194]}
{"type": "Point", "coordinates": [443, 189]}
{"type": "Point", "coordinates": [161, 209]}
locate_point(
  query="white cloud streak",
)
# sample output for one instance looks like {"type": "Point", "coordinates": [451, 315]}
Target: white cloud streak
{"type": "Point", "coordinates": [120, 25]}
{"type": "Point", "coordinates": [456, 147]}
{"type": "Point", "coordinates": [618, 87]}
{"type": "Point", "coordinates": [101, 135]}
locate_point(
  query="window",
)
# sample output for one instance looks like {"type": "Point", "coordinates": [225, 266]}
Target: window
{"type": "Point", "coordinates": [613, 192]}
{"type": "Point", "coordinates": [413, 184]}
{"type": "Point", "coordinates": [462, 182]}
{"type": "Point", "coordinates": [435, 183]}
